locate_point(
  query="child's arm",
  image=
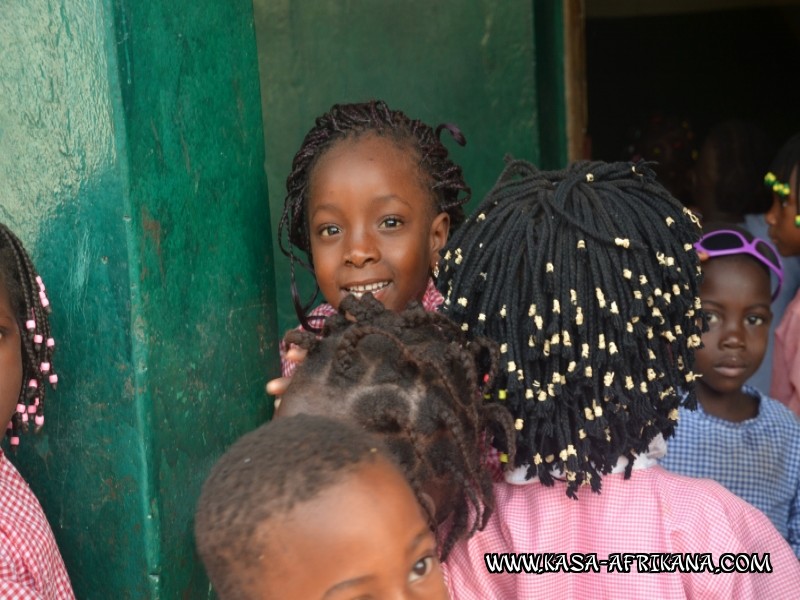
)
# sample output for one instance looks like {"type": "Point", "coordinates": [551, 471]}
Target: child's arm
{"type": "Point", "coordinates": [786, 358]}
{"type": "Point", "coordinates": [794, 524]}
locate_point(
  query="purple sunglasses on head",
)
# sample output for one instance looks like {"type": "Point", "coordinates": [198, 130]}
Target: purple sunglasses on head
{"type": "Point", "coordinates": [727, 242]}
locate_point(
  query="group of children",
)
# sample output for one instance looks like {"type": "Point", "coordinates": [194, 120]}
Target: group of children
{"type": "Point", "coordinates": [588, 281]}
{"type": "Point", "coordinates": [478, 391]}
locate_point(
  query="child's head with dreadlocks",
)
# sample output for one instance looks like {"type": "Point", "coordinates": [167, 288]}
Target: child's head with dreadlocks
{"type": "Point", "coordinates": [370, 200]}
{"type": "Point", "coordinates": [588, 279]}
{"type": "Point", "coordinates": [308, 507]}
{"type": "Point", "coordinates": [413, 378]}
{"type": "Point", "coordinates": [26, 346]}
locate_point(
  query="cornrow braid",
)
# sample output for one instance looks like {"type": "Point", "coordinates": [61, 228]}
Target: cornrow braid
{"type": "Point", "coordinates": [588, 280]}
{"type": "Point", "coordinates": [444, 177]}
{"type": "Point", "coordinates": [416, 380]}
{"type": "Point", "coordinates": [31, 306]}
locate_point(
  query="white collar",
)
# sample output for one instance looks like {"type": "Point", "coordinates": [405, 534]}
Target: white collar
{"type": "Point", "coordinates": [657, 449]}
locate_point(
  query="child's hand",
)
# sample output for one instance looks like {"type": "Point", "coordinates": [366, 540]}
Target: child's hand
{"type": "Point", "coordinates": [276, 387]}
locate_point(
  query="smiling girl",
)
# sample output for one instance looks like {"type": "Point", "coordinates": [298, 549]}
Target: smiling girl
{"type": "Point", "coordinates": [370, 201]}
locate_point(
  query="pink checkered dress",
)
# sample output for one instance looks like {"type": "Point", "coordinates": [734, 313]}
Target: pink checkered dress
{"type": "Point", "coordinates": [653, 512]}
{"type": "Point", "coordinates": [31, 567]}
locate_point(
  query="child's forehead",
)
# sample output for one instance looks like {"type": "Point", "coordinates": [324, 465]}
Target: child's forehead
{"type": "Point", "coordinates": [735, 267]}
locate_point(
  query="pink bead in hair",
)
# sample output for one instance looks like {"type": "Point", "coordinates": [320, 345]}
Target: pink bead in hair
{"type": "Point", "coordinates": [38, 339]}
{"type": "Point", "coordinates": [20, 408]}
{"type": "Point", "coordinates": [32, 409]}
{"type": "Point", "coordinates": [53, 379]}
{"type": "Point", "coordinates": [30, 324]}
{"type": "Point", "coordinates": [50, 342]}
{"type": "Point", "coordinates": [39, 420]}
{"type": "Point", "coordinates": [44, 367]}
{"type": "Point", "coordinates": [33, 383]}
{"type": "Point", "coordinates": [15, 440]}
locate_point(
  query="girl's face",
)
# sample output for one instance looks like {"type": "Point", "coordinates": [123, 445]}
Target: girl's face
{"type": "Point", "coordinates": [736, 299]}
{"type": "Point", "coordinates": [364, 537]}
{"type": "Point", "coordinates": [372, 223]}
{"type": "Point", "coordinates": [10, 359]}
{"type": "Point", "coordinates": [781, 220]}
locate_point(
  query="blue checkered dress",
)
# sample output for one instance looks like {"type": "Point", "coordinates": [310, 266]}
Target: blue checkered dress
{"type": "Point", "coordinates": [758, 459]}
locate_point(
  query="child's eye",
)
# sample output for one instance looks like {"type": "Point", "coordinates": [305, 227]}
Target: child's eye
{"type": "Point", "coordinates": [328, 230]}
{"type": "Point", "coordinates": [755, 320]}
{"type": "Point", "coordinates": [711, 317]}
{"type": "Point", "coordinates": [421, 568]}
{"type": "Point", "coordinates": [391, 223]}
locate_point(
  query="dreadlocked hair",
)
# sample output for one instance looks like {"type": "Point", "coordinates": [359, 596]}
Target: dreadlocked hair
{"type": "Point", "coordinates": [588, 279]}
{"type": "Point", "coordinates": [262, 478]}
{"type": "Point", "coordinates": [416, 380]}
{"type": "Point", "coordinates": [787, 159]}
{"type": "Point", "coordinates": [443, 177]}
{"type": "Point", "coordinates": [30, 305]}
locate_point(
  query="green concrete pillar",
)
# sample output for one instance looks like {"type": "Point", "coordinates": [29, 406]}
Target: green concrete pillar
{"type": "Point", "coordinates": [131, 164]}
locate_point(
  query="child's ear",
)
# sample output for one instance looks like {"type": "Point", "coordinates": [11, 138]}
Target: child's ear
{"type": "Point", "coordinates": [440, 228]}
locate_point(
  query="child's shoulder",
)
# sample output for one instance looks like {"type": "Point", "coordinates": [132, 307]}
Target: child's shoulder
{"type": "Point", "coordinates": [18, 505]}
{"type": "Point", "coordinates": [776, 413]}
{"type": "Point", "coordinates": [722, 510]}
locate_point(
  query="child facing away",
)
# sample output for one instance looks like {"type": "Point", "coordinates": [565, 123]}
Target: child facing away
{"type": "Point", "coordinates": [371, 198]}
{"type": "Point", "coordinates": [30, 563]}
{"type": "Point", "coordinates": [413, 378]}
{"type": "Point", "coordinates": [739, 437]}
{"type": "Point", "coordinates": [307, 507]}
{"type": "Point", "coordinates": [784, 229]}
{"type": "Point", "coordinates": [588, 279]}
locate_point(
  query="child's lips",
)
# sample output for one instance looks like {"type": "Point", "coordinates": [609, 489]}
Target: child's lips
{"type": "Point", "coordinates": [731, 367]}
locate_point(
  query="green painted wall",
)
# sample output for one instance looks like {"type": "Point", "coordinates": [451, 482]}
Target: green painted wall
{"type": "Point", "coordinates": [473, 63]}
{"type": "Point", "coordinates": [131, 153]}
{"type": "Point", "coordinates": [132, 164]}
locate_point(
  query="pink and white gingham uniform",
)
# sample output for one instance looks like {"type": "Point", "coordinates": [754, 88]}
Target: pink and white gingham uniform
{"type": "Point", "coordinates": [786, 358]}
{"type": "Point", "coordinates": [31, 567]}
{"type": "Point", "coordinates": [652, 512]}
{"type": "Point", "coordinates": [431, 302]}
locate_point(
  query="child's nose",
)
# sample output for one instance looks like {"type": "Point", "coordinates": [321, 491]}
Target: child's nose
{"type": "Point", "coordinates": [733, 335]}
{"type": "Point", "coordinates": [361, 250]}
{"type": "Point", "coordinates": [772, 214]}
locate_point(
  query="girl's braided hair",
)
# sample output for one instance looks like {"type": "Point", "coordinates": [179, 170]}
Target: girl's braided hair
{"type": "Point", "coordinates": [588, 279]}
{"type": "Point", "coordinates": [413, 378]}
{"type": "Point", "coordinates": [30, 305]}
{"type": "Point", "coordinates": [442, 176]}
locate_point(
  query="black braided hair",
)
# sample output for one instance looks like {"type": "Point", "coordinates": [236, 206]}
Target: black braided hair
{"type": "Point", "coordinates": [785, 161]}
{"type": "Point", "coordinates": [413, 378]}
{"type": "Point", "coordinates": [31, 306]}
{"type": "Point", "coordinates": [588, 279]}
{"type": "Point", "coordinates": [444, 178]}
{"type": "Point", "coordinates": [262, 478]}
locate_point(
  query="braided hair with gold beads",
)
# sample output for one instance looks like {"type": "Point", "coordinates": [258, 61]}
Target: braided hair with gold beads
{"type": "Point", "coordinates": [588, 280]}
